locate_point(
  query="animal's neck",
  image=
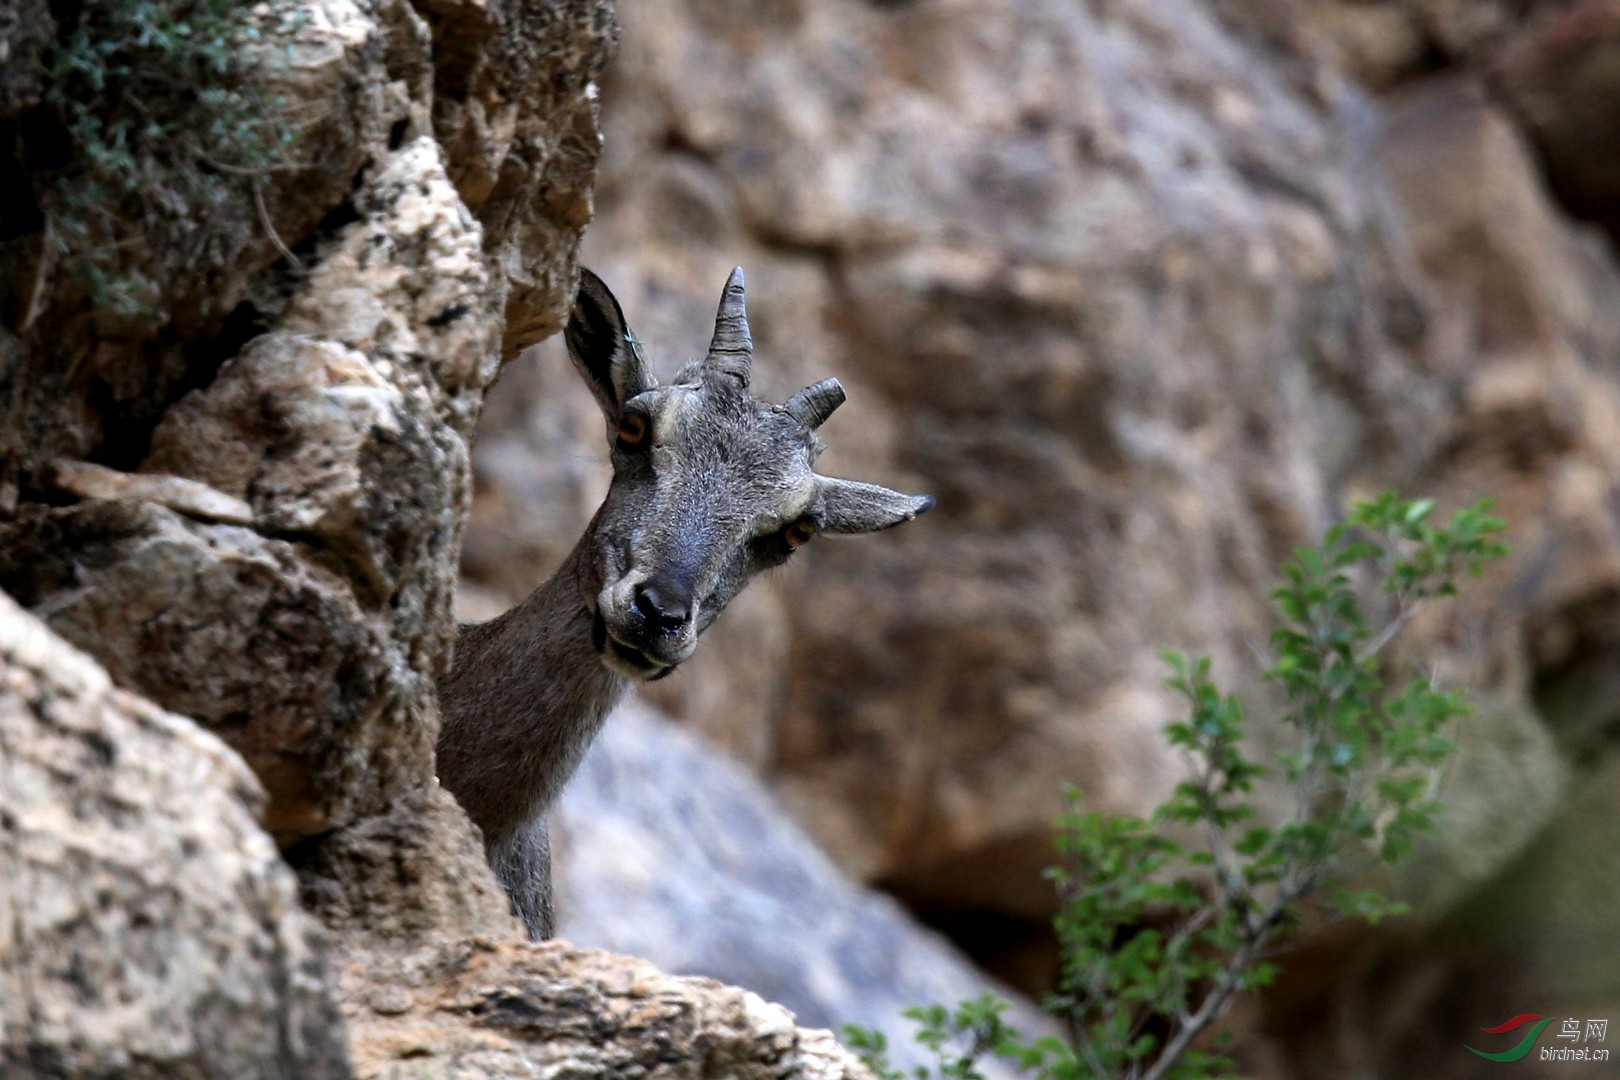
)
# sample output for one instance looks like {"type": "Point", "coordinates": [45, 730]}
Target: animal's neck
{"type": "Point", "coordinates": [526, 696]}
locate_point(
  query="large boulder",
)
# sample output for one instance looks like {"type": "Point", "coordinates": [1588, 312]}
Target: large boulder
{"type": "Point", "coordinates": [148, 928]}
{"type": "Point", "coordinates": [340, 437]}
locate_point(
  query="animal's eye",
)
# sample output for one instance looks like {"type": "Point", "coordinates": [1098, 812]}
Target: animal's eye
{"type": "Point", "coordinates": [799, 533]}
{"type": "Point", "coordinates": [633, 430]}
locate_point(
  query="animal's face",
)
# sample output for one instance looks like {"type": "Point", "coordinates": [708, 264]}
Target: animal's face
{"type": "Point", "coordinates": [710, 485]}
{"type": "Point", "coordinates": [709, 488]}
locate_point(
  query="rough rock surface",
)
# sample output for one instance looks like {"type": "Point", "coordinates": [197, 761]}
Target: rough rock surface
{"type": "Point", "coordinates": [344, 429]}
{"type": "Point", "coordinates": [244, 496]}
{"type": "Point", "coordinates": [148, 927]}
{"type": "Point", "coordinates": [1554, 64]}
{"type": "Point", "coordinates": [667, 850]}
{"type": "Point", "coordinates": [515, 110]}
{"type": "Point", "coordinates": [1559, 74]}
{"type": "Point", "coordinates": [505, 1009]}
{"type": "Point", "coordinates": [349, 76]}
{"type": "Point", "coordinates": [265, 537]}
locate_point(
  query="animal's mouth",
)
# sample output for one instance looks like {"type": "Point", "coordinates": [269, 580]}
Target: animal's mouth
{"type": "Point", "coordinates": [626, 660]}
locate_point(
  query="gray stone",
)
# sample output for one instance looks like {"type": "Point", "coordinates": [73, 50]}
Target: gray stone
{"type": "Point", "coordinates": [148, 928]}
{"type": "Point", "coordinates": [667, 850]}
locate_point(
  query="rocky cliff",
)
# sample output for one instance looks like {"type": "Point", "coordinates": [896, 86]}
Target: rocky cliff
{"type": "Point", "coordinates": [258, 267]}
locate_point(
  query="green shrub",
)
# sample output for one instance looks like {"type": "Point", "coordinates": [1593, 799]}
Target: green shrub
{"type": "Point", "coordinates": [171, 137]}
{"type": "Point", "coordinates": [1157, 938]}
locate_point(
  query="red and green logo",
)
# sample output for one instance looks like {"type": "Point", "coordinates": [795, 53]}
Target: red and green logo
{"type": "Point", "coordinates": [1524, 1044]}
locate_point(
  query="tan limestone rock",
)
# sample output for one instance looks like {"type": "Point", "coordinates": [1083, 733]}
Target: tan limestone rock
{"type": "Point", "coordinates": [148, 927]}
{"type": "Point", "coordinates": [484, 1008]}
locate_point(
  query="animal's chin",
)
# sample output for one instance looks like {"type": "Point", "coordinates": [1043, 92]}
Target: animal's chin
{"type": "Point", "coordinates": [622, 659]}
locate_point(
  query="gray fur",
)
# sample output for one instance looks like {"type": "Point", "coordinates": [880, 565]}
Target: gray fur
{"type": "Point", "coordinates": [719, 488]}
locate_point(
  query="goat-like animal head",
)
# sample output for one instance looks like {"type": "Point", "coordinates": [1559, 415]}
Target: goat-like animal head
{"type": "Point", "coordinates": [710, 484]}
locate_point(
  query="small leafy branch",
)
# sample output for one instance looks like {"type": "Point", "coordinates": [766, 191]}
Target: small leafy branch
{"type": "Point", "coordinates": [171, 135]}
{"type": "Point", "coordinates": [1157, 939]}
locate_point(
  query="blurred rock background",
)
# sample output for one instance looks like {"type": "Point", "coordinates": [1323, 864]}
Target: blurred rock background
{"type": "Point", "coordinates": [1144, 291]}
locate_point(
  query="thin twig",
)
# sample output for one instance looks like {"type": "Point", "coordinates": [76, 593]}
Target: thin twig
{"type": "Point", "coordinates": [1259, 932]}
{"type": "Point", "coordinates": [269, 227]}
{"type": "Point", "coordinates": [1082, 1041]}
{"type": "Point", "coordinates": [1210, 1011]}
{"type": "Point", "coordinates": [1183, 935]}
{"type": "Point", "coordinates": [240, 170]}
{"type": "Point", "coordinates": [1385, 636]}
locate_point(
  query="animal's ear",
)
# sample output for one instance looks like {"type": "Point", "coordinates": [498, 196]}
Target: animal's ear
{"type": "Point", "coordinates": [850, 507]}
{"type": "Point", "coordinates": [603, 348]}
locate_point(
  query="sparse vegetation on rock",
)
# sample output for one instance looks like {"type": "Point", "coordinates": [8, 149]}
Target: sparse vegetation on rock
{"type": "Point", "coordinates": [1158, 933]}
{"type": "Point", "coordinates": [173, 138]}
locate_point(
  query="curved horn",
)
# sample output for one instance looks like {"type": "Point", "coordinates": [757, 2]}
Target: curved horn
{"type": "Point", "coordinates": [732, 349]}
{"type": "Point", "coordinates": [812, 405]}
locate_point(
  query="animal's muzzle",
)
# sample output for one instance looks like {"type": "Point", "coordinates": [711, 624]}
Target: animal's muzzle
{"type": "Point", "coordinates": [631, 660]}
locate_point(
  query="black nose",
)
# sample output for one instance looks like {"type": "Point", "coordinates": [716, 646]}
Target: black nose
{"type": "Point", "coordinates": [665, 604]}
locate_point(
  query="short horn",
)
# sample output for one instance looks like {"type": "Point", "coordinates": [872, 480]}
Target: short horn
{"type": "Point", "coordinates": [732, 350]}
{"type": "Point", "coordinates": [812, 405]}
